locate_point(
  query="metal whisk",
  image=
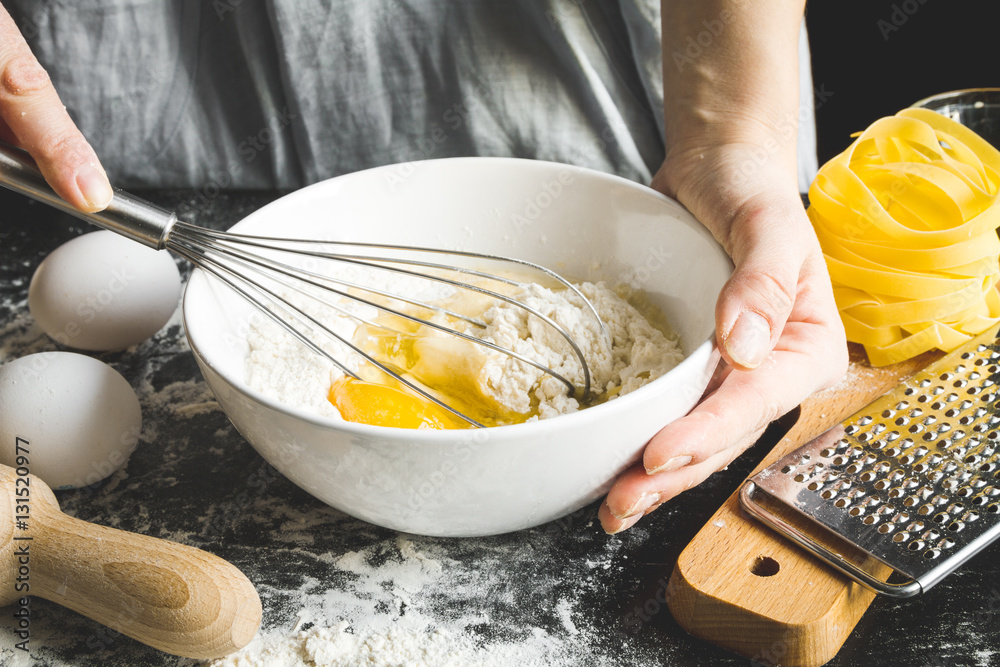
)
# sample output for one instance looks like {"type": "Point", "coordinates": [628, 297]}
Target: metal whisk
{"type": "Point", "coordinates": [265, 270]}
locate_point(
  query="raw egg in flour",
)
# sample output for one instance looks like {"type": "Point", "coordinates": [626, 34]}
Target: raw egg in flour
{"type": "Point", "coordinates": [381, 405]}
{"type": "Point", "coordinates": [70, 419]}
{"type": "Point", "coordinates": [102, 291]}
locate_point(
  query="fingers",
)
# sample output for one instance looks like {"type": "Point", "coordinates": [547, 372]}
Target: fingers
{"type": "Point", "coordinates": [767, 242]}
{"type": "Point", "coordinates": [33, 117]}
{"type": "Point", "coordinates": [810, 355]}
{"type": "Point", "coordinates": [636, 494]}
{"type": "Point", "coordinates": [808, 359]}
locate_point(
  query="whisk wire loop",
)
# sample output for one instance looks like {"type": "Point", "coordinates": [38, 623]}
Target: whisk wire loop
{"type": "Point", "coordinates": [206, 240]}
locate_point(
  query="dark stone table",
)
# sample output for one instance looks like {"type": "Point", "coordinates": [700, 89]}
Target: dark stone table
{"type": "Point", "coordinates": [576, 595]}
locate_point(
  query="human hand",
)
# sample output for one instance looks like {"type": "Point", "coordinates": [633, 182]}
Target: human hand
{"type": "Point", "coordinates": [32, 117]}
{"type": "Point", "coordinates": [777, 324]}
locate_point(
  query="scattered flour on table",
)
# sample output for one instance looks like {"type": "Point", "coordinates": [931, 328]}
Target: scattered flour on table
{"type": "Point", "coordinates": [405, 636]}
{"type": "Point", "coordinates": [340, 647]}
{"type": "Point", "coordinates": [282, 368]}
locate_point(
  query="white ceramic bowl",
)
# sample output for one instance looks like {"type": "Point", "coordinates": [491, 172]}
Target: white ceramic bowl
{"type": "Point", "coordinates": [585, 224]}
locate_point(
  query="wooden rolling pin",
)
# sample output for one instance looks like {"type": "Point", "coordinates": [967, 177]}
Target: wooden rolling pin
{"type": "Point", "coordinates": [173, 597]}
{"type": "Point", "coordinates": [743, 587]}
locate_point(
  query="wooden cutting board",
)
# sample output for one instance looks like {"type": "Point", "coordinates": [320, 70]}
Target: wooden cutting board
{"type": "Point", "coordinates": [741, 586]}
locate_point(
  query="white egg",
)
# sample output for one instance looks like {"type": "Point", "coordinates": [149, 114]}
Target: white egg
{"type": "Point", "coordinates": [102, 291]}
{"type": "Point", "coordinates": [74, 420]}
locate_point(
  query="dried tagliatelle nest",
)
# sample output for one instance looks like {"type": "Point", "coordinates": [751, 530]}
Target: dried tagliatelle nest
{"type": "Point", "coordinates": [907, 218]}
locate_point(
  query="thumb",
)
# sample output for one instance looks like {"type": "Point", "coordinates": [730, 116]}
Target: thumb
{"type": "Point", "coordinates": [768, 246]}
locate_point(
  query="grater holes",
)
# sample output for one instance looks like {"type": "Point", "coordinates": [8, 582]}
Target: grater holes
{"type": "Point", "coordinates": [787, 469]}
{"type": "Point", "coordinates": [940, 517]}
{"type": "Point", "coordinates": [886, 414]}
{"type": "Point", "coordinates": [970, 516]}
{"type": "Point", "coordinates": [881, 484]}
{"type": "Point", "coordinates": [956, 526]}
{"type": "Point", "coordinates": [870, 520]}
{"type": "Point", "coordinates": [841, 502]}
{"type": "Point", "coordinates": [946, 376]}
{"type": "Point", "coordinates": [856, 511]}
{"type": "Point", "coordinates": [867, 476]}
{"type": "Point", "coordinates": [937, 391]}
{"type": "Point", "coordinates": [885, 528]}
{"type": "Point", "coordinates": [865, 421]}
{"type": "Point", "coordinates": [922, 399]}
{"type": "Point", "coordinates": [931, 554]}
{"type": "Point", "coordinates": [900, 537]}
{"type": "Point", "coordinates": [993, 509]}
{"type": "Point", "coordinates": [960, 383]}
{"type": "Point", "coordinates": [800, 478]}
{"type": "Point", "coordinates": [827, 494]}
{"type": "Point", "coordinates": [891, 436]}
{"type": "Point", "coordinates": [902, 421]}
{"type": "Point", "coordinates": [916, 545]}
{"type": "Point", "coordinates": [814, 486]}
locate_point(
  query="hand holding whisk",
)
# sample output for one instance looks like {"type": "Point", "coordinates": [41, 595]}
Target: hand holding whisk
{"type": "Point", "coordinates": [266, 270]}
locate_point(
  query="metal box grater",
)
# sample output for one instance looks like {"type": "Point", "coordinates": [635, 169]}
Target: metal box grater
{"type": "Point", "coordinates": [912, 480]}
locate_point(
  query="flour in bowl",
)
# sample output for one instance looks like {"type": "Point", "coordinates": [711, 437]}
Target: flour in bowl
{"type": "Point", "coordinates": [623, 355]}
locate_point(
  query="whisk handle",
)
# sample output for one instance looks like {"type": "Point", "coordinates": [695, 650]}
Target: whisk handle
{"type": "Point", "coordinates": [127, 214]}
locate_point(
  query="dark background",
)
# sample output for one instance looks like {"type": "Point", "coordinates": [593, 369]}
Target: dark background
{"type": "Point", "coordinates": [865, 68]}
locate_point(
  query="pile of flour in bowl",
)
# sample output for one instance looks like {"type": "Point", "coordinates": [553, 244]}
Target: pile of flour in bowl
{"type": "Point", "coordinates": [623, 355]}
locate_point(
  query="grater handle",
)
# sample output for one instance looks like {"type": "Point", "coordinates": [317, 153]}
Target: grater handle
{"type": "Point", "coordinates": [758, 511]}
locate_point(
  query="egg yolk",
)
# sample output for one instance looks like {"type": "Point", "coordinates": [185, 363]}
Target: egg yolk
{"type": "Point", "coordinates": [381, 405]}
